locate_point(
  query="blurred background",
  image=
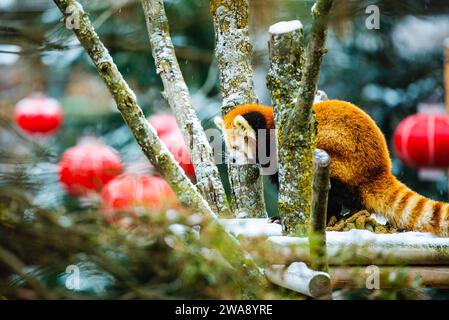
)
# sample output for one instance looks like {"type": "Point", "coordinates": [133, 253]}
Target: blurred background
{"type": "Point", "coordinates": [389, 72]}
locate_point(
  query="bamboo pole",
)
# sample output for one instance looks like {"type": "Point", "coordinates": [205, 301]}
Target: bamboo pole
{"type": "Point", "coordinates": [234, 53]}
{"type": "Point", "coordinates": [153, 148]}
{"type": "Point", "coordinates": [177, 94]}
{"type": "Point", "coordinates": [361, 247]}
{"type": "Point", "coordinates": [318, 217]}
{"type": "Point", "coordinates": [299, 278]}
{"type": "Point", "coordinates": [390, 277]}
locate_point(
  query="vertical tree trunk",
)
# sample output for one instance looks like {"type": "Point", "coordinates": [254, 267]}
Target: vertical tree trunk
{"type": "Point", "coordinates": [234, 53]}
{"type": "Point", "coordinates": [296, 123]}
{"type": "Point", "coordinates": [177, 94]}
{"type": "Point", "coordinates": [318, 215]}
{"type": "Point", "coordinates": [286, 61]}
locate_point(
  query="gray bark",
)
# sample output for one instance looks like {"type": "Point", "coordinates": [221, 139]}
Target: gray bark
{"type": "Point", "coordinates": [177, 94]}
{"type": "Point", "coordinates": [234, 52]}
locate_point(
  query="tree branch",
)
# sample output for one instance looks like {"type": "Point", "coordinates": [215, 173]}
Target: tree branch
{"type": "Point", "coordinates": [126, 101]}
{"type": "Point", "coordinates": [314, 57]}
{"type": "Point", "coordinates": [177, 94]}
{"type": "Point", "coordinates": [234, 52]}
{"type": "Point", "coordinates": [318, 218]}
{"type": "Point", "coordinates": [154, 149]}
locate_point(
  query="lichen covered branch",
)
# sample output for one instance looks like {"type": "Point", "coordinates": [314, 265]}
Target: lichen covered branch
{"type": "Point", "coordinates": [295, 171]}
{"type": "Point", "coordinates": [313, 60]}
{"type": "Point", "coordinates": [318, 217]}
{"type": "Point", "coordinates": [234, 53]}
{"type": "Point", "coordinates": [154, 149]}
{"type": "Point", "coordinates": [176, 91]}
{"type": "Point", "coordinates": [126, 101]}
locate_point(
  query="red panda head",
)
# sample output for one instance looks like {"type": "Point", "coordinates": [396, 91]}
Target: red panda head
{"type": "Point", "coordinates": [241, 128]}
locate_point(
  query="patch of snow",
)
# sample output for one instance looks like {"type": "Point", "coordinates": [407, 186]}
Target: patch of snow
{"type": "Point", "coordinates": [362, 237]}
{"type": "Point", "coordinates": [379, 219]}
{"type": "Point", "coordinates": [285, 27]}
{"type": "Point", "coordinates": [251, 227]}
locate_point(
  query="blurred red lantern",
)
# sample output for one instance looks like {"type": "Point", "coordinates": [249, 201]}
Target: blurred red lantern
{"type": "Point", "coordinates": [163, 123]}
{"type": "Point", "coordinates": [169, 132]}
{"type": "Point", "coordinates": [88, 166]}
{"type": "Point", "coordinates": [38, 114]}
{"type": "Point", "coordinates": [130, 191]}
{"type": "Point", "coordinates": [422, 140]}
{"type": "Point", "coordinates": [175, 143]}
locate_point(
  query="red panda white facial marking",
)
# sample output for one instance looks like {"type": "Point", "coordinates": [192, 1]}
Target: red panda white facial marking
{"type": "Point", "coordinates": [240, 140]}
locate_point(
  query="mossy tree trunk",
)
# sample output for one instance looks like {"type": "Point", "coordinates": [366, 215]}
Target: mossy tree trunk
{"type": "Point", "coordinates": [293, 83]}
{"type": "Point", "coordinates": [234, 53]}
{"type": "Point", "coordinates": [286, 61]}
{"type": "Point", "coordinates": [177, 94]}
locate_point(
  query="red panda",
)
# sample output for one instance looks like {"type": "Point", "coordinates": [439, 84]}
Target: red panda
{"type": "Point", "coordinates": [360, 167]}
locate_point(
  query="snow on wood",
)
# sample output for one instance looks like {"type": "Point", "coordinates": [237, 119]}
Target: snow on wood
{"type": "Point", "coordinates": [285, 27]}
{"type": "Point", "coordinates": [298, 277]}
{"type": "Point", "coordinates": [251, 227]}
{"type": "Point", "coordinates": [364, 247]}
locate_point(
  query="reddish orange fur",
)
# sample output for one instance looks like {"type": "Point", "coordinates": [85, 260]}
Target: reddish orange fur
{"type": "Point", "coordinates": [361, 162]}
{"type": "Point", "coordinates": [247, 108]}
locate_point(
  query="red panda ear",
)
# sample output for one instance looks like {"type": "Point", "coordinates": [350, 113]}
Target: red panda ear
{"type": "Point", "coordinates": [219, 122]}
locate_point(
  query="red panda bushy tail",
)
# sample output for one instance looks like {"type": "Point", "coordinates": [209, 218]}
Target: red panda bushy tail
{"type": "Point", "coordinates": [405, 208]}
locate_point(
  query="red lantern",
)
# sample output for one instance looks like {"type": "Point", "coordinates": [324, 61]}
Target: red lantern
{"type": "Point", "coordinates": [87, 167]}
{"type": "Point", "coordinates": [131, 191]}
{"type": "Point", "coordinates": [38, 114]}
{"type": "Point", "coordinates": [163, 123]}
{"type": "Point", "coordinates": [422, 140]}
{"type": "Point", "coordinates": [175, 143]}
{"type": "Point", "coordinates": [169, 132]}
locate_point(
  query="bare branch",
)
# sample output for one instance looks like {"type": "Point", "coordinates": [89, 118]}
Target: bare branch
{"type": "Point", "coordinates": [234, 52]}
{"type": "Point", "coordinates": [154, 149]}
{"type": "Point", "coordinates": [126, 101]}
{"type": "Point", "coordinates": [314, 57]}
{"type": "Point", "coordinates": [176, 91]}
